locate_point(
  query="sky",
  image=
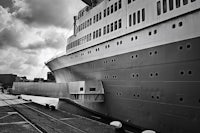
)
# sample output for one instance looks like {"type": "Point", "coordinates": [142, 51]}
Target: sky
{"type": "Point", "coordinates": [32, 32]}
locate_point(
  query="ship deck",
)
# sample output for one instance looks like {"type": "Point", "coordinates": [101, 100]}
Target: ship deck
{"type": "Point", "coordinates": [18, 115]}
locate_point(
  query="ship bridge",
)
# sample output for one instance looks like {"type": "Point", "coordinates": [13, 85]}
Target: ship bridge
{"type": "Point", "coordinates": [92, 2]}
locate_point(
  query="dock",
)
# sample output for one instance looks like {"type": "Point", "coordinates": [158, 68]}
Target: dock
{"type": "Point", "coordinates": [18, 115]}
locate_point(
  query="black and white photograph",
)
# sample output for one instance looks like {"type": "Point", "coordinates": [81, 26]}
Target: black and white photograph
{"type": "Point", "coordinates": [99, 66]}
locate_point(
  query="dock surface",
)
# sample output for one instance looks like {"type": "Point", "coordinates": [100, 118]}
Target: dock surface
{"type": "Point", "coordinates": [17, 115]}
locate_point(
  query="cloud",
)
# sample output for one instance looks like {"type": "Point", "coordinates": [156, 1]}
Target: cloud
{"type": "Point", "coordinates": [33, 31]}
{"type": "Point", "coordinates": [58, 13]}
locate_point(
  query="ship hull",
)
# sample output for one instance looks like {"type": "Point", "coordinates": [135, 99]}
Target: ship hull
{"type": "Point", "coordinates": [156, 88]}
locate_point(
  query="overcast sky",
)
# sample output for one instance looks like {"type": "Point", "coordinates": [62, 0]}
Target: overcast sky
{"type": "Point", "coordinates": [33, 31]}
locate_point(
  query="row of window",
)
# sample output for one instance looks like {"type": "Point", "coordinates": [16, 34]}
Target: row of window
{"type": "Point", "coordinates": [169, 5]}
{"type": "Point", "coordinates": [97, 17]}
{"type": "Point", "coordinates": [88, 22]}
{"type": "Point", "coordinates": [113, 8]}
{"type": "Point", "coordinates": [109, 28]}
{"type": "Point", "coordinates": [112, 26]}
{"type": "Point", "coordinates": [137, 17]}
{"type": "Point", "coordinates": [97, 33]}
{"type": "Point", "coordinates": [80, 41]}
{"type": "Point", "coordinates": [85, 24]}
{"type": "Point", "coordinates": [129, 1]}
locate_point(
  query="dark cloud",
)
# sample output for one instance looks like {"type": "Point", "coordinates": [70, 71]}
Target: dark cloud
{"type": "Point", "coordinates": [33, 31]}
{"type": "Point", "coordinates": [58, 13]}
{"type": "Point", "coordinates": [6, 3]}
{"type": "Point", "coordinates": [9, 38]}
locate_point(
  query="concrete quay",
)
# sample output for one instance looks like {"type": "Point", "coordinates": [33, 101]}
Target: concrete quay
{"type": "Point", "coordinates": [17, 115]}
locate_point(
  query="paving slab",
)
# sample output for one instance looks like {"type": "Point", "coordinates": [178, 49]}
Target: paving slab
{"type": "Point", "coordinates": [17, 115]}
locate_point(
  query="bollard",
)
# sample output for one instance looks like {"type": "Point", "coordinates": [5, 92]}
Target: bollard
{"type": "Point", "coordinates": [148, 131]}
{"type": "Point", "coordinates": [52, 107]}
{"type": "Point", "coordinates": [118, 126]}
{"type": "Point", "coordinates": [47, 105]}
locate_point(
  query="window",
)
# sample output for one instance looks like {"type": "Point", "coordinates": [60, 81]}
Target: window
{"type": "Point", "coordinates": [94, 19]}
{"type": "Point", "coordinates": [120, 23]}
{"type": "Point", "coordinates": [94, 35]}
{"type": "Point", "coordinates": [90, 36]}
{"type": "Point", "coordinates": [171, 6]}
{"type": "Point", "coordinates": [138, 15]}
{"type": "Point", "coordinates": [164, 6]}
{"type": "Point", "coordinates": [108, 30]}
{"type": "Point", "coordinates": [92, 89]}
{"type": "Point", "coordinates": [115, 6]}
{"type": "Point", "coordinates": [111, 9]}
{"type": "Point", "coordinates": [100, 16]}
{"type": "Point", "coordinates": [111, 26]}
{"type": "Point", "coordinates": [178, 3]}
{"type": "Point", "coordinates": [104, 30]}
{"type": "Point", "coordinates": [143, 14]}
{"type": "Point", "coordinates": [97, 17]}
{"type": "Point", "coordinates": [99, 32]}
{"type": "Point", "coordinates": [104, 13]}
{"type": "Point", "coordinates": [130, 20]}
{"type": "Point", "coordinates": [120, 4]}
{"type": "Point", "coordinates": [115, 25]}
{"type": "Point", "coordinates": [134, 18]}
{"type": "Point", "coordinates": [108, 11]}
{"type": "Point", "coordinates": [90, 21]}
{"type": "Point", "coordinates": [185, 2]}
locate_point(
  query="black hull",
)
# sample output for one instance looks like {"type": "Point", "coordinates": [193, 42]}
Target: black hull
{"type": "Point", "coordinates": [156, 88]}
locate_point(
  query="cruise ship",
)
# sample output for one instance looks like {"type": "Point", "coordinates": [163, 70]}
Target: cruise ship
{"type": "Point", "coordinates": [144, 55]}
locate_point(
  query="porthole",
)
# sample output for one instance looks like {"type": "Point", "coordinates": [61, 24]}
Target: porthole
{"type": "Point", "coordinates": [173, 26]}
{"type": "Point", "coordinates": [131, 38]}
{"type": "Point", "coordinates": [136, 55]}
{"type": "Point", "coordinates": [182, 72]}
{"type": "Point", "coordinates": [117, 43]}
{"type": "Point", "coordinates": [155, 31]}
{"type": "Point", "coordinates": [136, 37]}
{"type": "Point", "coordinates": [180, 24]}
{"type": "Point", "coordinates": [199, 100]}
{"type": "Point", "coordinates": [138, 95]}
{"type": "Point", "coordinates": [188, 46]}
{"type": "Point", "coordinates": [157, 97]}
{"type": "Point", "coordinates": [155, 52]}
{"type": "Point", "coordinates": [137, 75]}
{"type": "Point", "coordinates": [181, 99]}
{"type": "Point", "coordinates": [120, 42]}
{"type": "Point", "coordinates": [151, 75]}
{"type": "Point", "coordinates": [189, 72]}
{"type": "Point", "coordinates": [180, 47]}
{"type": "Point", "coordinates": [152, 97]}
{"type": "Point", "coordinates": [150, 53]}
{"type": "Point", "coordinates": [133, 75]}
{"type": "Point", "coordinates": [150, 33]}
{"type": "Point", "coordinates": [156, 74]}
